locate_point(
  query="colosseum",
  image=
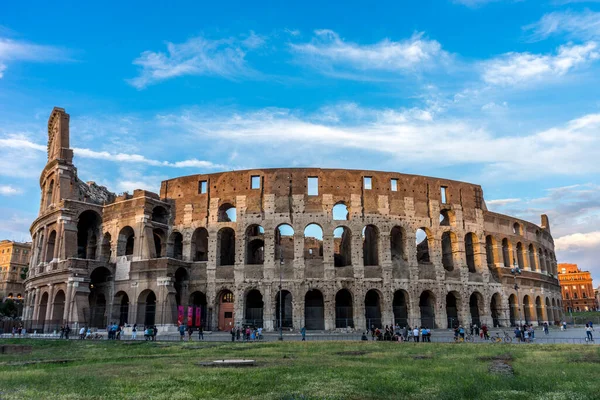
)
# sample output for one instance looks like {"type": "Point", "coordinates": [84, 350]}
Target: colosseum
{"type": "Point", "coordinates": [324, 249]}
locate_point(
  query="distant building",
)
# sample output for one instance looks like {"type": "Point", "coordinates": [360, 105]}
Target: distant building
{"type": "Point", "coordinates": [577, 289]}
{"type": "Point", "coordinates": [14, 259]}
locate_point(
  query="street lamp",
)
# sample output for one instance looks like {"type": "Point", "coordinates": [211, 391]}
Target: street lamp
{"type": "Point", "coordinates": [515, 270]}
{"type": "Point", "coordinates": [280, 294]}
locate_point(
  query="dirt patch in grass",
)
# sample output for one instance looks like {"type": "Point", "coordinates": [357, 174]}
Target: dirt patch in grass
{"type": "Point", "coordinates": [422, 357]}
{"type": "Point", "coordinates": [501, 367]}
{"type": "Point", "coordinates": [500, 357]}
{"type": "Point", "coordinates": [353, 353]}
{"type": "Point", "coordinates": [33, 362]}
{"type": "Point", "coordinates": [585, 358]}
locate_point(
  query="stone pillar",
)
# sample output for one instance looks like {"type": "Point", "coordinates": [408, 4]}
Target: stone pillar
{"type": "Point", "coordinates": [299, 256]}
{"type": "Point", "coordinates": [329, 310]}
{"type": "Point", "coordinates": [270, 264]}
{"type": "Point", "coordinates": [44, 245]}
{"type": "Point", "coordinates": [358, 264]}
{"type": "Point", "coordinates": [328, 263]}
{"type": "Point", "coordinates": [358, 309]}
{"type": "Point", "coordinates": [36, 305]}
{"type": "Point", "coordinates": [50, 307]}
{"type": "Point", "coordinates": [269, 308]}
{"type": "Point", "coordinates": [69, 244]}
{"type": "Point", "coordinates": [68, 301]}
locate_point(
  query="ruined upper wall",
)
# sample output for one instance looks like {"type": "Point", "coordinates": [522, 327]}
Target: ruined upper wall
{"type": "Point", "coordinates": [335, 185]}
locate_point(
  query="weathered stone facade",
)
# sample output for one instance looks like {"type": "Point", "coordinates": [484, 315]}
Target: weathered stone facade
{"type": "Point", "coordinates": [223, 244]}
{"type": "Point", "coordinates": [14, 261]}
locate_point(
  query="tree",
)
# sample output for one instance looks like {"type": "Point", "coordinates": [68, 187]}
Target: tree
{"type": "Point", "coordinates": [8, 309]}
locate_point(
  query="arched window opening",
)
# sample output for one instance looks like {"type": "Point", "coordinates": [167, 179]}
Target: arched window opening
{"type": "Point", "coordinates": [490, 245]}
{"type": "Point", "coordinates": [255, 245]}
{"type": "Point", "coordinates": [227, 213]}
{"type": "Point", "coordinates": [531, 252]}
{"type": "Point", "coordinates": [125, 241]}
{"type": "Point", "coordinates": [541, 260]}
{"type": "Point", "coordinates": [539, 311]}
{"type": "Point", "coordinates": [284, 316]}
{"type": "Point", "coordinates": [520, 255]}
{"type": "Point", "coordinates": [342, 246]}
{"type": "Point", "coordinates": [226, 243]}
{"type": "Point", "coordinates": [470, 242]}
{"type": "Point", "coordinates": [370, 245]}
{"type": "Point", "coordinates": [506, 249]}
{"type": "Point", "coordinates": [400, 308]}
{"type": "Point", "coordinates": [43, 308]}
{"type": "Point", "coordinates": [200, 245]}
{"type": "Point", "coordinates": [106, 247]}
{"type": "Point", "coordinates": [452, 310]}
{"type": "Point", "coordinates": [516, 228]}
{"type": "Point", "coordinates": [88, 229]}
{"type": "Point", "coordinates": [284, 244]}
{"type": "Point", "coordinates": [146, 308]}
{"type": "Point", "coordinates": [50, 246]}
{"type": "Point", "coordinates": [160, 215]}
{"type": "Point", "coordinates": [176, 245]}
{"type": "Point", "coordinates": [340, 212]}
{"type": "Point", "coordinates": [343, 309]}
{"type": "Point", "coordinates": [373, 310]}
{"type": "Point", "coordinates": [527, 309]}
{"type": "Point", "coordinates": [159, 242]}
{"type": "Point", "coordinates": [448, 242]}
{"type": "Point", "coordinates": [58, 308]}
{"type": "Point", "coordinates": [397, 246]}
{"type": "Point", "coordinates": [181, 278]}
{"type": "Point", "coordinates": [512, 309]}
{"type": "Point", "coordinates": [314, 310]}
{"type": "Point", "coordinates": [447, 218]}
{"type": "Point", "coordinates": [254, 309]}
{"type": "Point", "coordinates": [50, 193]}
{"type": "Point", "coordinates": [100, 290]}
{"type": "Point", "coordinates": [121, 308]}
{"type": "Point", "coordinates": [476, 306]}
{"type": "Point", "coordinates": [422, 239]}
{"type": "Point", "coordinates": [495, 305]}
{"type": "Point", "coordinates": [427, 307]}
{"type": "Point", "coordinates": [313, 242]}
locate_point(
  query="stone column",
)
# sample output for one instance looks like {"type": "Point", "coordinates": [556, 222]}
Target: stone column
{"type": "Point", "coordinates": [44, 244]}
{"type": "Point", "coordinates": [50, 307]}
{"type": "Point", "coordinates": [36, 306]}
{"type": "Point", "coordinates": [328, 263]}
{"type": "Point", "coordinates": [68, 301]}
{"type": "Point", "coordinates": [358, 309]}
{"type": "Point", "coordinates": [299, 257]}
{"type": "Point", "coordinates": [269, 308]}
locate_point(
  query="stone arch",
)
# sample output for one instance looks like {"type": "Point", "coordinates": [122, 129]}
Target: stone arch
{"type": "Point", "coordinates": [106, 247]}
{"type": "Point", "coordinates": [370, 235]}
{"type": "Point", "coordinates": [527, 315]}
{"type": "Point", "coordinates": [227, 213]}
{"type": "Point", "coordinates": [225, 309]}
{"type": "Point", "coordinates": [43, 308]}
{"type": "Point", "coordinates": [253, 310]}
{"type": "Point", "coordinates": [400, 307]}
{"type": "Point", "coordinates": [126, 241]}
{"type": "Point", "coordinates": [313, 242]}
{"type": "Point", "coordinates": [424, 241]}
{"type": "Point", "coordinates": [520, 258]}
{"type": "Point", "coordinates": [506, 253]}
{"type": "Point", "coordinates": [58, 307]}
{"type": "Point", "coordinates": [472, 256]}
{"type": "Point", "coordinates": [50, 246]}
{"type": "Point", "coordinates": [255, 245]}
{"type": "Point", "coordinates": [449, 248]}
{"type": "Point", "coordinates": [373, 309]}
{"type": "Point", "coordinates": [146, 314]}
{"type": "Point", "coordinates": [490, 251]}
{"type": "Point", "coordinates": [121, 307]}
{"type": "Point", "coordinates": [175, 246]}
{"type": "Point", "coordinates": [49, 193]}
{"type": "Point", "coordinates": [539, 310]}
{"type": "Point", "coordinates": [549, 313]}
{"type": "Point", "coordinates": [286, 317]}
{"type": "Point", "coordinates": [541, 262]}
{"type": "Point", "coordinates": [517, 230]}
{"type": "Point", "coordinates": [182, 278]}
{"type": "Point", "coordinates": [314, 310]}
{"type": "Point", "coordinates": [496, 309]}
{"type": "Point", "coordinates": [198, 303]}
{"type": "Point", "coordinates": [160, 215]}
{"type": "Point", "coordinates": [199, 246]}
{"type": "Point", "coordinates": [476, 307]}
{"type": "Point", "coordinates": [427, 308]}
{"type": "Point", "coordinates": [531, 254]}
{"type": "Point", "coordinates": [344, 312]}
{"type": "Point", "coordinates": [398, 245]}
{"type": "Point", "coordinates": [342, 246]}
{"type": "Point", "coordinates": [555, 315]}
{"type": "Point", "coordinates": [284, 244]}
{"type": "Point", "coordinates": [447, 218]}
{"type": "Point", "coordinates": [160, 243]}
{"type": "Point", "coordinates": [513, 309]}
{"type": "Point", "coordinates": [226, 246]}
{"type": "Point", "coordinates": [100, 284]}
{"type": "Point", "coordinates": [340, 212]}
{"type": "Point", "coordinates": [453, 303]}
{"type": "Point", "coordinates": [88, 231]}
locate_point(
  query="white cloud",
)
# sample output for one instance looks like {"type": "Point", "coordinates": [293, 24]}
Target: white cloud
{"type": "Point", "coordinates": [493, 106]}
{"type": "Point", "coordinates": [15, 51]}
{"type": "Point", "coordinates": [8, 190]}
{"type": "Point", "coordinates": [225, 58]}
{"type": "Point", "coordinates": [501, 202]}
{"type": "Point", "coordinates": [584, 25]}
{"type": "Point", "coordinates": [327, 51]}
{"type": "Point", "coordinates": [577, 241]}
{"type": "Point", "coordinates": [524, 68]}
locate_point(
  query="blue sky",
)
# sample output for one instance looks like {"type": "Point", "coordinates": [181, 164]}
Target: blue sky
{"type": "Point", "coordinates": [501, 93]}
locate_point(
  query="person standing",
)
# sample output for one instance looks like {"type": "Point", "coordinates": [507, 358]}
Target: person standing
{"type": "Point", "coordinates": [546, 328]}
{"type": "Point", "coordinates": [154, 333]}
{"type": "Point", "coordinates": [416, 334]}
{"type": "Point", "coordinates": [238, 332]}
{"type": "Point", "coordinates": [82, 333]}
{"type": "Point", "coordinates": [190, 331]}
{"type": "Point", "coordinates": [67, 331]}
{"type": "Point", "coordinates": [588, 332]}
{"type": "Point", "coordinates": [232, 335]}
{"type": "Point", "coordinates": [134, 332]}
{"type": "Point", "coordinates": [181, 332]}
{"type": "Point", "coordinates": [200, 333]}
{"type": "Point", "coordinates": [303, 333]}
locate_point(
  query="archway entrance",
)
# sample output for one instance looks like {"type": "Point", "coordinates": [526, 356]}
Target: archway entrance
{"type": "Point", "coordinates": [343, 309]}
{"type": "Point", "coordinates": [427, 306]}
{"type": "Point", "coordinates": [474, 306]}
{"type": "Point", "coordinates": [147, 308]}
{"type": "Point", "coordinates": [373, 309]}
{"type": "Point", "coordinates": [452, 310]}
{"type": "Point", "coordinates": [495, 309]}
{"type": "Point", "coordinates": [42, 311]}
{"type": "Point", "coordinates": [287, 310]}
{"type": "Point", "coordinates": [538, 310]}
{"type": "Point", "coordinates": [100, 283]}
{"type": "Point", "coordinates": [314, 311]}
{"type": "Point", "coordinates": [121, 308]}
{"type": "Point", "coordinates": [198, 306]}
{"type": "Point", "coordinates": [512, 308]}
{"type": "Point", "coordinates": [400, 308]}
{"type": "Point", "coordinates": [58, 308]}
{"type": "Point", "coordinates": [226, 319]}
{"type": "Point", "coordinates": [527, 309]}
{"type": "Point", "coordinates": [254, 309]}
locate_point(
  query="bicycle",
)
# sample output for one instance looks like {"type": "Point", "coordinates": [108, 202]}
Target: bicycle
{"type": "Point", "coordinates": [499, 339]}
{"type": "Point", "coordinates": [467, 338]}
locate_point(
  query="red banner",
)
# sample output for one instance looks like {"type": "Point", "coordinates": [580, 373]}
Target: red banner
{"type": "Point", "coordinates": [190, 316]}
{"type": "Point", "coordinates": [198, 315]}
{"type": "Point", "coordinates": [179, 315]}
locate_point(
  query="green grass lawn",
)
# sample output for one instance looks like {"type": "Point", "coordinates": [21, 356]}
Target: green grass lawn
{"type": "Point", "coordinates": [309, 370]}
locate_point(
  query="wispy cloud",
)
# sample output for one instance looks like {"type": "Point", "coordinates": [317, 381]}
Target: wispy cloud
{"type": "Point", "coordinates": [225, 58]}
{"type": "Point", "coordinates": [525, 68]}
{"type": "Point", "coordinates": [501, 202]}
{"type": "Point", "coordinates": [577, 241]}
{"type": "Point", "coordinates": [584, 25]}
{"type": "Point", "coordinates": [8, 190]}
{"type": "Point", "coordinates": [331, 54]}
{"type": "Point", "coordinates": [17, 51]}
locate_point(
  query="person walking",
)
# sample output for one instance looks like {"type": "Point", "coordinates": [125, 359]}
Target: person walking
{"type": "Point", "coordinates": [546, 328]}
{"type": "Point", "coordinates": [303, 333]}
{"type": "Point", "coordinates": [416, 334]}
{"type": "Point", "coordinates": [67, 331]}
{"type": "Point", "coordinates": [82, 333]}
{"type": "Point", "coordinates": [154, 333]}
{"type": "Point", "coordinates": [134, 332]}
{"type": "Point", "coordinates": [238, 332]}
{"type": "Point", "coordinates": [181, 332]}
{"type": "Point", "coordinates": [200, 333]}
{"type": "Point", "coordinates": [588, 333]}
{"type": "Point", "coordinates": [190, 330]}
